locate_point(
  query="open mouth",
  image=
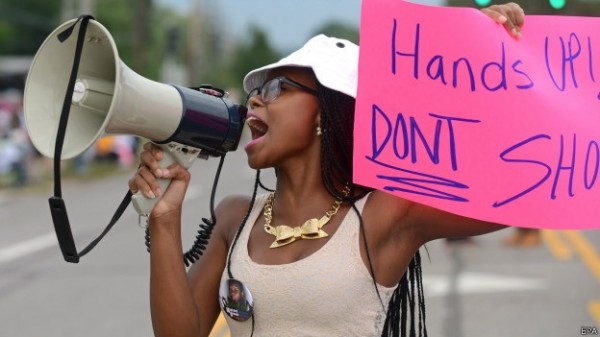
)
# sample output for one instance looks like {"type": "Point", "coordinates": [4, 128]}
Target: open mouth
{"type": "Point", "coordinates": [258, 128]}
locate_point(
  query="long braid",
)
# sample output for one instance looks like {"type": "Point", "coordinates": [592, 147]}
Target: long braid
{"type": "Point", "coordinates": [337, 143]}
{"type": "Point", "coordinates": [257, 183]}
{"type": "Point", "coordinates": [337, 125]}
{"type": "Point", "coordinates": [407, 298]}
{"type": "Point", "coordinates": [419, 282]}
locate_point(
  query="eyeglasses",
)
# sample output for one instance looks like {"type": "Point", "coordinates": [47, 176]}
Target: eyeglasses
{"type": "Point", "coordinates": [271, 89]}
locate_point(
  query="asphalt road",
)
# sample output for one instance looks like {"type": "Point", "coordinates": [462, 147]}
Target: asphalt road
{"type": "Point", "coordinates": [476, 289]}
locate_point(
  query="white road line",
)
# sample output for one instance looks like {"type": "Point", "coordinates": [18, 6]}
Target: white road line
{"type": "Point", "coordinates": [27, 247]}
{"type": "Point", "coordinates": [477, 283]}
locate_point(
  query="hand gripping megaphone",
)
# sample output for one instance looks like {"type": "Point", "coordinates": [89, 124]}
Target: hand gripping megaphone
{"type": "Point", "coordinates": [109, 98]}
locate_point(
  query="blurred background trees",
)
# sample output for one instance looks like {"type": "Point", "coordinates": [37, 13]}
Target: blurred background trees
{"type": "Point", "coordinates": [155, 41]}
{"type": "Point", "coordinates": [188, 48]}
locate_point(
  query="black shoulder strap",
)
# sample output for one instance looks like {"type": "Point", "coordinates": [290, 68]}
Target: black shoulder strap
{"type": "Point", "coordinates": [57, 204]}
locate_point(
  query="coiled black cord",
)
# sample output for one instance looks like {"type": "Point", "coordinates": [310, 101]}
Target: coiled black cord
{"type": "Point", "coordinates": [205, 229]}
{"type": "Point", "coordinates": [199, 245]}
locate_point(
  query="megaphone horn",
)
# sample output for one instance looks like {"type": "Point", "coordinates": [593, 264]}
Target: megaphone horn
{"type": "Point", "coordinates": [110, 98]}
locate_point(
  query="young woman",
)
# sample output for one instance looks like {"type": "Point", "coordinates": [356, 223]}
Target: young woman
{"type": "Point", "coordinates": [347, 262]}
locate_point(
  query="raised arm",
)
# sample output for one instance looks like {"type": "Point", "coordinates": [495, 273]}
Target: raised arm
{"type": "Point", "coordinates": [175, 310]}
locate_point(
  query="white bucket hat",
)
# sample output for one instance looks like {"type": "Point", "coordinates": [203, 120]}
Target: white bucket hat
{"type": "Point", "coordinates": [334, 62]}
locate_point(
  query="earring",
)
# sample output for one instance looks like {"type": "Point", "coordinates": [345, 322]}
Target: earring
{"type": "Point", "coordinates": [319, 132]}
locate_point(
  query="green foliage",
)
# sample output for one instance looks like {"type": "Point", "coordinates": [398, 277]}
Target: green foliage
{"type": "Point", "coordinates": [119, 18]}
{"type": "Point", "coordinates": [253, 54]}
{"type": "Point", "coordinates": [142, 40]}
{"type": "Point", "coordinates": [132, 33]}
{"type": "Point", "coordinates": [245, 56]}
{"type": "Point", "coordinates": [25, 24]}
{"type": "Point", "coordinates": [162, 19]}
{"type": "Point", "coordinates": [339, 30]}
{"type": "Point", "coordinates": [116, 16]}
{"type": "Point", "coordinates": [6, 34]}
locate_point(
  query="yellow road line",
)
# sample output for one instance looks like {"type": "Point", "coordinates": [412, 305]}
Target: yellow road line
{"type": "Point", "coordinates": [594, 309]}
{"type": "Point", "coordinates": [590, 258]}
{"type": "Point", "coordinates": [556, 245]}
{"type": "Point", "coordinates": [586, 251]}
{"type": "Point", "coordinates": [220, 329]}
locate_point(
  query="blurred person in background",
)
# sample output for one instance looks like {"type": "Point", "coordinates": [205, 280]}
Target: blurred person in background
{"type": "Point", "coordinates": [16, 151]}
{"type": "Point", "coordinates": [523, 237]}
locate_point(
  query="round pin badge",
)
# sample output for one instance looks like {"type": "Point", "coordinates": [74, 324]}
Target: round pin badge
{"type": "Point", "coordinates": [236, 300]}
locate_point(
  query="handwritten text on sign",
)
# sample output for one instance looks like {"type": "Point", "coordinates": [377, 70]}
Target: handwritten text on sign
{"type": "Point", "coordinates": [455, 113]}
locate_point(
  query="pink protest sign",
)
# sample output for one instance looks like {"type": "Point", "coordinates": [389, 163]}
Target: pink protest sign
{"type": "Point", "coordinates": [455, 113]}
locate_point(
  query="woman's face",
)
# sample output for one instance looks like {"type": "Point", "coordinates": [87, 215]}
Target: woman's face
{"type": "Point", "coordinates": [284, 128]}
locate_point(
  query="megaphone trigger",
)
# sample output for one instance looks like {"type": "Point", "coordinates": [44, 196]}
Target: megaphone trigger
{"type": "Point", "coordinates": [174, 152]}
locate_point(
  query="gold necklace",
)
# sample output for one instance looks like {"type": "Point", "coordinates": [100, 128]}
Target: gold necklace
{"type": "Point", "coordinates": [311, 229]}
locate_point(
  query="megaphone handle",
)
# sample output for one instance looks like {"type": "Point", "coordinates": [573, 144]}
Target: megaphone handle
{"type": "Point", "coordinates": [173, 152]}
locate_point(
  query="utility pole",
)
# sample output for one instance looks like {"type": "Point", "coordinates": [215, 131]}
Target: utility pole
{"type": "Point", "coordinates": [68, 10]}
{"type": "Point", "coordinates": [194, 41]}
{"type": "Point", "coordinates": [141, 9]}
{"type": "Point", "coordinates": [87, 7]}
{"type": "Point", "coordinates": [73, 8]}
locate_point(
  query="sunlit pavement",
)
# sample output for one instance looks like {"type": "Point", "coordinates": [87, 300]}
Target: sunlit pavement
{"type": "Point", "coordinates": [487, 289]}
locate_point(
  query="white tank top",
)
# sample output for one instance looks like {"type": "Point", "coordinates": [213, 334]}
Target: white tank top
{"type": "Point", "coordinates": [329, 293]}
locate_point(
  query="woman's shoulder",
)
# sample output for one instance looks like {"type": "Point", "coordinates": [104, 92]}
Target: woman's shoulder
{"type": "Point", "coordinates": [234, 203]}
{"type": "Point", "coordinates": [389, 212]}
{"type": "Point", "coordinates": [235, 200]}
{"type": "Point", "coordinates": [231, 211]}
{"type": "Point", "coordinates": [387, 205]}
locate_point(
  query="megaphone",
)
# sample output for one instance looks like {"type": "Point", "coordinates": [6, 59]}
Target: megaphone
{"type": "Point", "coordinates": [109, 98]}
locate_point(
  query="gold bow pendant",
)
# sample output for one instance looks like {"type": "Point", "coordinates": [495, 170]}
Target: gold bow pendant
{"type": "Point", "coordinates": [311, 229]}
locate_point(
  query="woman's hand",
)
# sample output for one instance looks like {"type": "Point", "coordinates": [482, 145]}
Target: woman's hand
{"type": "Point", "coordinates": [510, 15]}
{"type": "Point", "coordinates": [146, 181]}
